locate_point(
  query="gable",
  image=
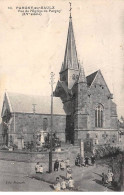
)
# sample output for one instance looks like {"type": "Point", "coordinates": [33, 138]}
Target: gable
{"type": "Point", "coordinates": [90, 78]}
{"type": "Point", "coordinates": [99, 80]}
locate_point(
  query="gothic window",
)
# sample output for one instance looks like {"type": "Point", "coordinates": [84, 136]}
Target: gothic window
{"type": "Point", "coordinates": [45, 124]}
{"type": "Point", "coordinates": [99, 116]}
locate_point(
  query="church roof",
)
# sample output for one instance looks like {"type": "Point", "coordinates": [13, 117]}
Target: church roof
{"type": "Point", "coordinates": [23, 103]}
{"type": "Point", "coordinates": [91, 77]}
{"type": "Point", "coordinates": [70, 59]}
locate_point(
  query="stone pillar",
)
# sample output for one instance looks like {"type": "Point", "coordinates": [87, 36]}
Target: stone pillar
{"type": "Point", "coordinates": [82, 151]}
{"type": "Point", "coordinates": [81, 148]}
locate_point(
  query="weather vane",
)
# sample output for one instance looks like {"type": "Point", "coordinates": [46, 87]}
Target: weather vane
{"type": "Point", "coordinates": [70, 9]}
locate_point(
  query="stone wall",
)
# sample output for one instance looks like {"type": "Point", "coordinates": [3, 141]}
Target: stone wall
{"type": "Point", "coordinates": [25, 125]}
{"type": "Point", "coordinates": [22, 156]}
{"type": "Point", "coordinates": [100, 94]}
{"type": "Point", "coordinates": [100, 136]}
{"type": "Point", "coordinates": [86, 103]}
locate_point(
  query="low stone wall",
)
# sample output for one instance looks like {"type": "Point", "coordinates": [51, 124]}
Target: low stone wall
{"type": "Point", "coordinates": [38, 156]}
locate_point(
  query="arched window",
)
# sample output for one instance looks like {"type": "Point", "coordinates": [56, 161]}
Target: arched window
{"type": "Point", "coordinates": [99, 116]}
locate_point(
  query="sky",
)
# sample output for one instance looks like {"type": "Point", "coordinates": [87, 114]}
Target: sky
{"type": "Point", "coordinates": [33, 46]}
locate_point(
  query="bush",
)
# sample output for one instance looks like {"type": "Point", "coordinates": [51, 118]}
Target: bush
{"type": "Point", "coordinates": [106, 151]}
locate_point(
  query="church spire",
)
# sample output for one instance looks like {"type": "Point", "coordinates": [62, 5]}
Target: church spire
{"type": "Point", "coordinates": [70, 59]}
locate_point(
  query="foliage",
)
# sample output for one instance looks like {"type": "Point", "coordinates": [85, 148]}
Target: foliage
{"type": "Point", "coordinates": [29, 146]}
{"type": "Point", "coordinates": [121, 122]}
{"type": "Point", "coordinates": [106, 151]}
{"type": "Point", "coordinates": [55, 141]}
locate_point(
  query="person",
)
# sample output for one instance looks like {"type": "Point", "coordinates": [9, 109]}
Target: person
{"type": "Point", "coordinates": [41, 169]}
{"type": "Point", "coordinates": [110, 176]}
{"type": "Point", "coordinates": [62, 165]}
{"type": "Point", "coordinates": [63, 184]}
{"type": "Point", "coordinates": [37, 167]}
{"type": "Point", "coordinates": [68, 173]}
{"type": "Point", "coordinates": [71, 183]}
{"type": "Point", "coordinates": [89, 161]}
{"type": "Point", "coordinates": [86, 161]}
{"type": "Point", "coordinates": [103, 179]}
{"type": "Point", "coordinates": [93, 159]}
{"type": "Point", "coordinates": [57, 185]}
{"type": "Point", "coordinates": [56, 165]}
{"type": "Point", "coordinates": [67, 162]}
{"type": "Point", "coordinates": [77, 161]}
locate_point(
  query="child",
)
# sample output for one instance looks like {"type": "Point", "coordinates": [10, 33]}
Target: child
{"type": "Point", "coordinates": [62, 165]}
{"type": "Point", "coordinates": [41, 169]}
{"type": "Point", "coordinates": [110, 176]}
{"type": "Point", "coordinates": [69, 171]}
{"type": "Point", "coordinates": [56, 165]}
{"type": "Point", "coordinates": [63, 184]}
{"type": "Point", "coordinates": [71, 183]}
{"type": "Point", "coordinates": [103, 178]}
{"type": "Point", "coordinates": [67, 162]}
{"type": "Point", "coordinates": [37, 167]}
{"type": "Point", "coordinates": [57, 184]}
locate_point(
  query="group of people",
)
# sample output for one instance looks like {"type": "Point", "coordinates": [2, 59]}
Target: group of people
{"type": "Point", "coordinates": [107, 178]}
{"type": "Point", "coordinates": [79, 161]}
{"type": "Point", "coordinates": [62, 164]}
{"type": "Point", "coordinates": [38, 168]}
{"type": "Point", "coordinates": [67, 182]}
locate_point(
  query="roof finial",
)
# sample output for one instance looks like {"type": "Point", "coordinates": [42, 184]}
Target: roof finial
{"type": "Point", "coordinates": [70, 10]}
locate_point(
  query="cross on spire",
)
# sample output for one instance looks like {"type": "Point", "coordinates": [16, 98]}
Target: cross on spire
{"type": "Point", "coordinates": [70, 10]}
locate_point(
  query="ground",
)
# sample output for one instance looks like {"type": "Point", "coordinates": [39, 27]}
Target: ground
{"type": "Point", "coordinates": [14, 176]}
{"type": "Point", "coordinates": [20, 176]}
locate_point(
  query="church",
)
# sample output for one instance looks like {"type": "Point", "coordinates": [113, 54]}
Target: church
{"type": "Point", "coordinates": [83, 106]}
{"type": "Point", "coordinates": [90, 110]}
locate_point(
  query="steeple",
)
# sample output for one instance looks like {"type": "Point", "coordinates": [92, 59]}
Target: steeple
{"type": "Point", "coordinates": [70, 59]}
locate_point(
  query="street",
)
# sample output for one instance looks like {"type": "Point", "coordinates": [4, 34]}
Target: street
{"type": "Point", "coordinates": [17, 176]}
{"type": "Point", "coordinates": [14, 176]}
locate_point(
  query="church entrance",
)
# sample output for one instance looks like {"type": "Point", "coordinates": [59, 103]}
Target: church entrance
{"type": "Point", "coordinates": [69, 130]}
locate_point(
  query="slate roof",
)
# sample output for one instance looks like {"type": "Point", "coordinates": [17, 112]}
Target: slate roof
{"type": "Point", "coordinates": [90, 78]}
{"type": "Point", "coordinates": [23, 103]}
